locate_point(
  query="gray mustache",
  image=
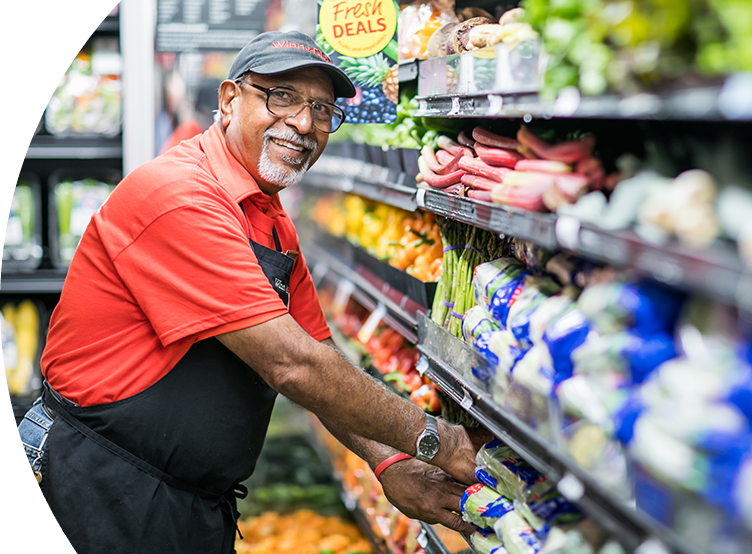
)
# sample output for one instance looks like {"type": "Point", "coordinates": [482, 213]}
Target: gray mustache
{"type": "Point", "coordinates": [291, 136]}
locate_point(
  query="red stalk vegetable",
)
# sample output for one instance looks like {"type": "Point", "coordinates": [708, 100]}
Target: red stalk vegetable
{"type": "Point", "coordinates": [497, 156]}
{"type": "Point", "coordinates": [570, 151]}
{"type": "Point", "coordinates": [478, 182]}
{"type": "Point", "coordinates": [479, 167]}
{"type": "Point", "coordinates": [429, 157]}
{"type": "Point", "coordinates": [465, 140]}
{"type": "Point", "coordinates": [487, 138]}
{"type": "Point", "coordinates": [527, 198]}
{"type": "Point", "coordinates": [529, 179]}
{"type": "Point", "coordinates": [482, 195]}
{"type": "Point", "coordinates": [572, 185]}
{"type": "Point", "coordinates": [546, 166]}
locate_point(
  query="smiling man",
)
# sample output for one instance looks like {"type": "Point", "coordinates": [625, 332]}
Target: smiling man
{"type": "Point", "coordinates": [187, 308]}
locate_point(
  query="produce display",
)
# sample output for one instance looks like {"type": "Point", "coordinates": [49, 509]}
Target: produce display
{"type": "Point", "coordinates": [75, 203]}
{"type": "Point", "coordinates": [20, 325]}
{"type": "Point", "coordinates": [629, 47]}
{"type": "Point", "coordinates": [20, 86]}
{"type": "Point", "coordinates": [88, 100]}
{"type": "Point", "coordinates": [23, 241]}
{"type": "Point", "coordinates": [406, 240]}
{"type": "Point", "coordinates": [302, 532]}
{"type": "Point", "coordinates": [525, 172]}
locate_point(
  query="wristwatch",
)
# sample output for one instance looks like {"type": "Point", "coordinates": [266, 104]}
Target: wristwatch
{"type": "Point", "coordinates": [428, 441]}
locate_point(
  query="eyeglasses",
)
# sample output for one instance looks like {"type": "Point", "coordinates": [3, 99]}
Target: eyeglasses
{"type": "Point", "coordinates": [284, 102]}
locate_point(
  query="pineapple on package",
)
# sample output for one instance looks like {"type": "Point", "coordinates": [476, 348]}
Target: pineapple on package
{"type": "Point", "coordinates": [361, 39]}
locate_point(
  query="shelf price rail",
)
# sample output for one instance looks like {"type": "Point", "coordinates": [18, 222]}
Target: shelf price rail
{"type": "Point", "coordinates": [717, 272]}
{"type": "Point", "coordinates": [447, 361]}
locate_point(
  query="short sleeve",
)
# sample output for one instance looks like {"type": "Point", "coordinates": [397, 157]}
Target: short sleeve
{"type": "Point", "coordinates": [193, 269]}
{"type": "Point", "coordinates": [304, 302]}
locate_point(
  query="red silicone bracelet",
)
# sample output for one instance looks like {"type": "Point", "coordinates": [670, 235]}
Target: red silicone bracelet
{"type": "Point", "coordinates": [389, 461]}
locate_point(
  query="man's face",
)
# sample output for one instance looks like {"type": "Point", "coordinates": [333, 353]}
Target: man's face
{"type": "Point", "coordinates": [276, 151]}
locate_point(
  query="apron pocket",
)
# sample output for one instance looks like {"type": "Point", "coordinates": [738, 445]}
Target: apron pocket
{"type": "Point", "coordinates": [23, 455]}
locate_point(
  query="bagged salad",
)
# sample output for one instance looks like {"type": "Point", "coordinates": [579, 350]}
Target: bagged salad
{"type": "Point", "coordinates": [84, 92]}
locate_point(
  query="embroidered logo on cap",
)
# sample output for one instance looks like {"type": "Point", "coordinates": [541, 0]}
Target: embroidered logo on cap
{"type": "Point", "coordinates": [288, 44]}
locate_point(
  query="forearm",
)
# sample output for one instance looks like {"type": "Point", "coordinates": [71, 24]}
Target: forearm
{"type": "Point", "coordinates": [372, 452]}
{"type": "Point", "coordinates": [323, 381]}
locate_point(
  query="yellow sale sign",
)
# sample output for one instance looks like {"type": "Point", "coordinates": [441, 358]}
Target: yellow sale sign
{"type": "Point", "coordinates": [358, 29]}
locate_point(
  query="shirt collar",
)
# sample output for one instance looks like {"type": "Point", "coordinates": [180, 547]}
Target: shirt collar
{"type": "Point", "coordinates": [231, 174]}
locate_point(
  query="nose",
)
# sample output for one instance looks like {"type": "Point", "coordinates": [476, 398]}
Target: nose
{"type": "Point", "coordinates": [302, 121]}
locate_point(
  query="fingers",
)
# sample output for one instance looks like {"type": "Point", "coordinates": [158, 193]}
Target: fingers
{"type": "Point", "coordinates": [455, 521]}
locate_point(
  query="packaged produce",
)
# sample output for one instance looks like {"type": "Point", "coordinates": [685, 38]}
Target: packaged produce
{"type": "Point", "coordinates": [417, 22]}
{"type": "Point", "coordinates": [22, 5]}
{"type": "Point", "coordinates": [88, 100]}
{"type": "Point", "coordinates": [102, 7]}
{"type": "Point", "coordinates": [20, 340]}
{"type": "Point", "coordinates": [485, 542]}
{"type": "Point", "coordinates": [513, 476]}
{"type": "Point", "coordinates": [482, 506]}
{"type": "Point", "coordinates": [20, 85]}
{"type": "Point", "coordinates": [496, 283]}
{"type": "Point", "coordinates": [23, 242]}
{"type": "Point", "coordinates": [516, 534]}
{"type": "Point", "coordinates": [62, 7]}
{"type": "Point", "coordinates": [75, 203]}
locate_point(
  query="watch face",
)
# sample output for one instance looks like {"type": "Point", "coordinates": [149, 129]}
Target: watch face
{"type": "Point", "coordinates": [429, 445]}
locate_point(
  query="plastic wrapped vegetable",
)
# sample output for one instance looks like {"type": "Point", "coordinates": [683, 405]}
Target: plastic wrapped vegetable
{"type": "Point", "coordinates": [482, 506]}
{"type": "Point", "coordinates": [76, 202]}
{"type": "Point", "coordinates": [512, 475]}
{"type": "Point", "coordinates": [417, 22]}
{"type": "Point", "coordinates": [486, 542]}
{"type": "Point", "coordinates": [20, 86]}
{"type": "Point", "coordinates": [22, 241]}
{"type": "Point", "coordinates": [85, 101]}
{"type": "Point", "coordinates": [62, 7]}
{"type": "Point", "coordinates": [516, 534]}
{"type": "Point", "coordinates": [102, 7]}
{"type": "Point", "coordinates": [495, 283]}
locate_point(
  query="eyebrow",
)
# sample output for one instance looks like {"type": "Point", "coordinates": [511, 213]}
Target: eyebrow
{"type": "Point", "coordinates": [317, 99]}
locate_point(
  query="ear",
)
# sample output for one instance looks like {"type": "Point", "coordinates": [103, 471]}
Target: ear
{"type": "Point", "coordinates": [228, 91]}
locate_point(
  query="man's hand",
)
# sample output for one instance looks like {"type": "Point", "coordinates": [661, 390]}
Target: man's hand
{"type": "Point", "coordinates": [422, 491]}
{"type": "Point", "coordinates": [459, 446]}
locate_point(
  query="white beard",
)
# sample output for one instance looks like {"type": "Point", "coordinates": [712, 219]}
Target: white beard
{"type": "Point", "coordinates": [279, 175]}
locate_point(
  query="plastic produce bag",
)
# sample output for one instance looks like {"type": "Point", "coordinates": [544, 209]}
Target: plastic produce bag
{"type": "Point", "coordinates": [563, 334]}
{"type": "Point", "coordinates": [513, 476]}
{"type": "Point", "coordinates": [477, 329]}
{"type": "Point", "coordinates": [417, 22]}
{"type": "Point", "coordinates": [20, 86]}
{"type": "Point", "coordinates": [86, 101]}
{"type": "Point", "coordinates": [535, 290]}
{"type": "Point", "coordinates": [76, 202]}
{"type": "Point", "coordinates": [496, 283]}
{"type": "Point", "coordinates": [516, 534]}
{"type": "Point", "coordinates": [485, 542]}
{"type": "Point", "coordinates": [482, 506]}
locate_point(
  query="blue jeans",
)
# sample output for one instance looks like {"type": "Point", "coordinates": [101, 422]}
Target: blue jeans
{"type": "Point", "coordinates": [24, 455]}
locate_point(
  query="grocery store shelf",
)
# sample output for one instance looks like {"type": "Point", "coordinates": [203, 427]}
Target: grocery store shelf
{"type": "Point", "coordinates": [39, 281]}
{"type": "Point", "coordinates": [368, 290]}
{"type": "Point", "coordinates": [40, 21]}
{"type": "Point", "coordinates": [74, 148]}
{"type": "Point", "coordinates": [496, 82]}
{"type": "Point", "coordinates": [430, 541]}
{"type": "Point", "coordinates": [448, 362]}
{"type": "Point", "coordinates": [408, 71]}
{"type": "Point", "coordinates": [364, 179]}
{"type": "Point", "coordinates": [365, 524]}
{"type": "Point", "coordinates": [717, 272]}
{"type": "Point", "coordinates": [536, 227]}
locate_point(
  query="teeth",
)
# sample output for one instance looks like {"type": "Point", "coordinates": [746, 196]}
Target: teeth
{"type": "Point", "coordinates": [288, 144]}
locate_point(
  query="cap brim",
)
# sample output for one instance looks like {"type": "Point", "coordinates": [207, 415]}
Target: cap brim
{"type": "Point", "coordinates": [343, 86]}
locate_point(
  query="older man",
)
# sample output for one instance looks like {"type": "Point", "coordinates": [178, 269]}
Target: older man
{"type": "Point", "coordinates": [187, 308]}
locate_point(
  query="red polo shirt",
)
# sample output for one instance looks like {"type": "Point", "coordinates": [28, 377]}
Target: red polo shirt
{"type": "Point", "coordinates": [166, 262]}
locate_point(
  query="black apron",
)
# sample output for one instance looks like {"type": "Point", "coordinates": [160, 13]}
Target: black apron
{"type": "Point", "coordinates": [160, 471]}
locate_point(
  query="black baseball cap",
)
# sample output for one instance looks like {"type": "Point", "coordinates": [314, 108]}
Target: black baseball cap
{"type": "Point", "coordinates": [277, 52]}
